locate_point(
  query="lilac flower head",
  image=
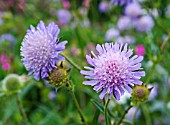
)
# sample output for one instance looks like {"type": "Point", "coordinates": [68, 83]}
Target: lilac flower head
{"type": "Point", "coordinates": [112, 33]}
{"type": "Point", "coordinates": [40, 49]}
{"type": "Point", "coordinates": [8, 37]}
{"type": "Point", "coordinates": [52, 95]}
{"type": "Point", "coordinates": [124, 23]}
{"type": "Point", "coordinates": [133, 10]}
{"type": "Point", "coordinates": [144, 24]}
{"type": "Point", "coordinates": [131, 114]}
{"type": "Point", "coordinates": [64, 16]}
{"type": "Point", "coordinates": [126, 39]}
{"type": "Point", "coordinates": [113, 70]}
{"type": "Point", "coordinates": [104, 6]}
{"type": "Point", "coordinates": [120, 2]}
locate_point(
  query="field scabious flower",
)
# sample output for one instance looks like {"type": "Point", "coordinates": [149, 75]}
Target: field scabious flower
{"type": "Point", "coordinates": [144, 24]}
{"type": "Point", "coordinates": [113, 70]}
{"type": "Point", "coordinates": [111, 34]}
{"type": "Point", "coordinates": [120, 2]}
{"type": "Point", "coordinates": [64, 16]}
{"type": "Point", "coordinates": [124, 23]}
{"type": "Point", "coordinates": [104, 6]}
{"type": "Point", "coordinates": [133, 10]}
{"type": "Point", "coordinates": [40, 49]}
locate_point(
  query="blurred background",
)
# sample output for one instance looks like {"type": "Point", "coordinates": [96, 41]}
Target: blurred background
{"type": "Point", "coordinates": [143, 24]}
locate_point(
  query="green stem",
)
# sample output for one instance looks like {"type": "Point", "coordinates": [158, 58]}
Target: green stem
{"type": "Point", "coordinates": [106, 112]}
{"type": "Point", "coordinates": [126, 111]}
{"type": "Point", "coordinates": [21, 109]}
{"type": "Point", "coordinates": [71, 62]}
{"type": "Point", "coordinates": [69, 86]}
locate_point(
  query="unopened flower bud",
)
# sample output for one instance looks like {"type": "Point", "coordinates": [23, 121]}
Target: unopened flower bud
{"type": "Point", "coordinates": [140, 93]}
{"type": "Point", "coordinates": [11, 83]}
{"type": "Point", "coordinates": [59, 76]}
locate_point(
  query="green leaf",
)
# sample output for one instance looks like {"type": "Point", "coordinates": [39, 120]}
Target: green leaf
{"type": "Point", "coordinates": [96, 116]}
{"type": "Point", "coordinates": [98, 105]}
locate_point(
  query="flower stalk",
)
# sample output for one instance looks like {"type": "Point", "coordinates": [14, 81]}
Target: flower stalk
{"type": "Point", "coordinates": [106, 112]}
{"type": "Point", "coordinates": [21, 110]}
{"type": "Point", "coordinates": [71, 62]}
{"type": "Point", "coordinates": [70, 88]}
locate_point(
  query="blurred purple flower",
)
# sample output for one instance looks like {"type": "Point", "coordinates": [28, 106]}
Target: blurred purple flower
{"type": "Point", "coordinates": [66, 4]}
{"type": "Point", "coordinates": [52, 95]}
{"type": "Point", "coordinates": [8, 37]}
{"type": "Point", "coordinates": [126, 39]}
{"type": "Point", "coordinates": [124, 23]}
{"type": "Point", "coordinates": [140, 50]}
{"type": "Point", "coordinates": [113, 71]}
{"type": "Point", "coordinates": [133, 10]}
{"type": "Point", "coordinates": [40, 49]}
{"type": "Point", "coordinates": [104, 6]}
{"type": "Point", "coordinates": [144, 24]}
{"type": "Point", "coordinates": [120, 2]}
{"type": "Point", "coordinates": [111, 34]}
{"type": "Point", "coordinates": [154, 91]}
{"type": "Point", "coordinates": [1, 20]}
{"type": "Point", "coordinates": [82, 11]}
{"type": "Point", "coordinates": [129, 39]}
{"type": "Point", "coordinates": [131, 113]}
{"type": "Point", "coordinates": [64, 16]}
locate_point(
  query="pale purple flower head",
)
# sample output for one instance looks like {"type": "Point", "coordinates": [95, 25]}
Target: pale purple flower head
{"type": "Point", "coordinates": [40, 49]}
{"type": "Point", "coordinates": [113, 70]}
{"type": "Point", "coordinates": [120, 2]}
{"type": "Point", "coordinates": [8, 38]}
{"type": "Point", "coordinates": [131, 114]}
{"type": "Point", "coordinates": [133, 10]}
{"type": "Point", "coordinates": [144, 24]}
{"type": "Point", "coordinates": [111, 34]}
{"type": "Point", "coordinates": [104, 6]}
{"type": "Point", "coordinates": [124, 23]}
{"type": "Point", "coordinates": [52, 95]}
{"type": "Point", "coordinates": [64, 16]}
{"type": "Point", "coordinates": [126, 39]}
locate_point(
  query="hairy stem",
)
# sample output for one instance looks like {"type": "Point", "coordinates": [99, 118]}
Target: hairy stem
{"type": "Point", "coordinates": [69, 86]}
{"type": "Point", "coordinates": [71, 62]}
{"type": "Point", "coordinates": [106, 112]}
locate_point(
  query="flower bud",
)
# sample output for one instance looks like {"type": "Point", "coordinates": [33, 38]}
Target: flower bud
{"type": "Point", "coordinates": [59, 76]}
{"type": "Point", "coordinates": [140, 94]}
{"type": "Point", "coordinates": [11, 83]}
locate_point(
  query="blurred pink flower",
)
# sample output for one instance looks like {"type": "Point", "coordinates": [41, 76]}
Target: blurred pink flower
{"type": "Point", "coordinates": [140, 50]}
{"type": "Point", "coordinates": [66, 4]}
{"type": "Point", "coordinates": [6, 66]}
{"type": "Point", "coordinates": [3, 58]}
{"type": "Point", "coordinates": [75, 51]}
{"type": "Point", "coordinates": [5, 62]}
{"type": "Point", "coordinates": [86, 3]}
